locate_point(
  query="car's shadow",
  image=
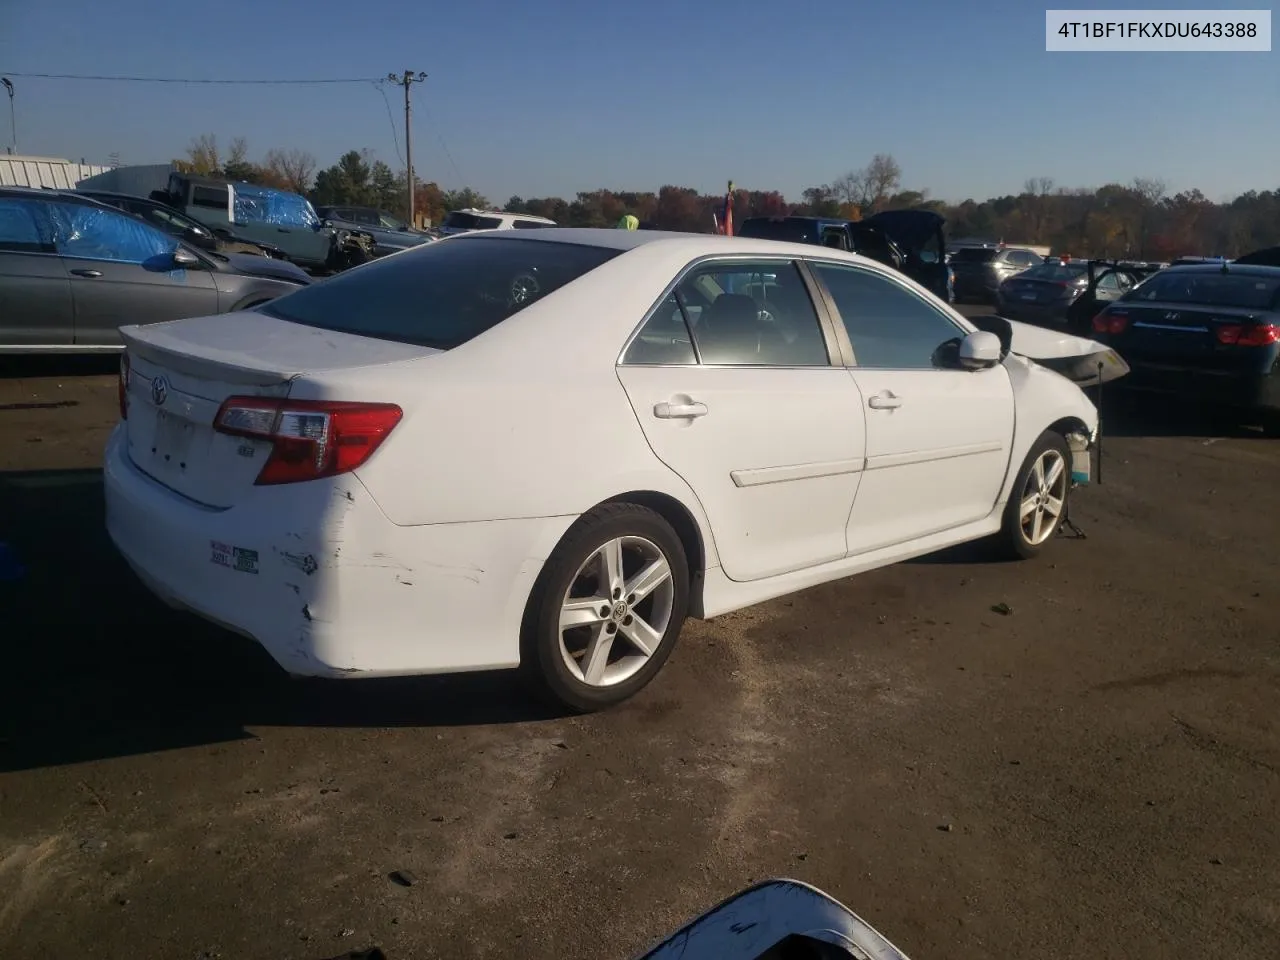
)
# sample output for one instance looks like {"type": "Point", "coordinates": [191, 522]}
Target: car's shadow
{"type": "Point", "coordinates": [18, 366]}
{"type": "Point", "coordinates": [1131, 413]}
{"type": "Point", "coordinates": [96, 667]}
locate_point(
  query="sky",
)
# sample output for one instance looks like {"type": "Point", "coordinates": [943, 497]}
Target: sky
{"type": "Point", "coordinates": [558, 96]}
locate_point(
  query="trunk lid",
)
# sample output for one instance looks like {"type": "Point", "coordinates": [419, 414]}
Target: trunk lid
{"type": "Point", "coordinates": [1182, 334]}
{"type": "Point", "coordinates": [180, 372]}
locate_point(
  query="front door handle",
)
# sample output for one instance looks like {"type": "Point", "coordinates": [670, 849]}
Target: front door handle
{"type": "Point", "coordinates": [886, 401]}
{"type": "Point", "coordinates": [679, 411]}
{"type": "Point", "coordinates": [87, 273]}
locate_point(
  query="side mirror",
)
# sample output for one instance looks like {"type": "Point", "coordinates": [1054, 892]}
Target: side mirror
{"type": "Point", "coordinates": [185, 258]}
{"type": "Point", "coordinates": [774, 920]}
{"type": "Point", "coordinates": [200, 239]}
{"type": "Point", "coordinates": [979, 350]}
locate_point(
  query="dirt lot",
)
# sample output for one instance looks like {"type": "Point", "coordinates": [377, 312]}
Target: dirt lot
{"type": "Point", "coordinates": [1096, 773]}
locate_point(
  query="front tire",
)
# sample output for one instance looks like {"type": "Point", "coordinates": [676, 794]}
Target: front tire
{"type": "Point", "coordinates": [607, 608]}
{"type": "Point", "coordinates": [1038, 501]}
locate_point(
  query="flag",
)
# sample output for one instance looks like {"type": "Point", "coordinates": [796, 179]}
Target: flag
{"type": "Point", "coordinates": [727, 229]}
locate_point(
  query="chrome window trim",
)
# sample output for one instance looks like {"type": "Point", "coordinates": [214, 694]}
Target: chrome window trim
{"type": "Point", "coordinates": [826, 326]}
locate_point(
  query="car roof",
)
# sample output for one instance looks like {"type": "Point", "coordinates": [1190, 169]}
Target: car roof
{"type": "Point", "coordinates": [44, 193]}
{"type": "Point", "coordinates": [477, 212]}
{"type": "Point", "coordinates": [1232, 269]}
{"type": "Point", "coordinates": [699, 244]}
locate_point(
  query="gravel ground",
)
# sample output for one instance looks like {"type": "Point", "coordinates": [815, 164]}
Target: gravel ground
{"type": "Point", "coordinates": [1095, 772]}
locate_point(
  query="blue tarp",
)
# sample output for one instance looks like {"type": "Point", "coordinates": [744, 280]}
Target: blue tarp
{"type": "Point", "coordinates": [97, 234]}
{"type": "Point", "coordinates": [254, 204]}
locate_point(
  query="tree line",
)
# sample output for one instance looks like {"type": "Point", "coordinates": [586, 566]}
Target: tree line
{"type": "Point", "coordinates": [1137, 219]}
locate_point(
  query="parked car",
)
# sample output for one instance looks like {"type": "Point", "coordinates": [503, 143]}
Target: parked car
{"type": "Point", "coordinates": [763, 417]}
{"type": "Point", "coordinates": [979, 271]}
{"type": "Point", "coordinates": [465, 221]}
{"type": "Point", "coordinates": [1268, 256]}
{"type": "Point", "coordinates": [389, 233]}
{"type": "Point", "coordinates": [188, 229]}
{"type": "Point", "coordinates": [1061, 294]}
{"type": "Point", "coordinates": [1210, 331]}
{"type": "Point", "coordinates": [72, 270]}
{"type": "Point", "coordinates": [777, 920]}
{"type": "Point", "coordinates": [910, 241]}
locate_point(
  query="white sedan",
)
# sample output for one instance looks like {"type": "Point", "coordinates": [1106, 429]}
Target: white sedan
{"type": "Point", "coordinates": [545, 448]}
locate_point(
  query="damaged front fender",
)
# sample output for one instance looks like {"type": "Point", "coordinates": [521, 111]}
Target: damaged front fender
{"type": "Point", "coordinates": [1079, 359]}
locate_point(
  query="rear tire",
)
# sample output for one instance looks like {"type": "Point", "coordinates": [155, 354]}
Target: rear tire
{"type": "Point", "coordinates": [606, 610]}
{"type": "Point", "coordinates": [1038, 500]}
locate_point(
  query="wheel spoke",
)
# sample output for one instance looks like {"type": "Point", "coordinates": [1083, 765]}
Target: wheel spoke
{"type": "Point", "coordinates": [1035, 525]}
{"type": "Point", "coordinates": [641, 635]}
{"type": "Point", "coordinates": [1038, 472]}
{"type": "Point", "coordinates": [1028, 507]}
{"type": "Point", "coordinates": [648, 580]}
{"type": "Point", "coordinates": [611, 569]}
{"type": "Point", "coordinates": [1053, 506]}
{"type": "Point", "coordinates": [1055, 471]}
{"type": "Point", "coordinates": [596, 657]}
{"type": "Point", "coordinates": [582, 612]}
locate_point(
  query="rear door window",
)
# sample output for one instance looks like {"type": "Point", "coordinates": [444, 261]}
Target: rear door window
{"type": "Point", "coordinates": [973, 255]}
{"type": "Point", "coordinates": [441, 294]}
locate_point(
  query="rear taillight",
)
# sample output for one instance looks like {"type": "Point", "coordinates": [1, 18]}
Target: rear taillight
{"type": "Point", "coordinates": [1238, 335]}
{"type": "Point", "coordinates": [1111, 321]}
{"type": "Point", "coordinates": [309, 439]}
{"type": "Point", "coordinates": [123, 387]}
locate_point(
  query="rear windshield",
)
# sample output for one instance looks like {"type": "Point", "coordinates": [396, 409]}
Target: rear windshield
{"type": "Point", "coordinates": [788, 230]}
{"type": "Point", "coordinates": [973, 255]}
{"type": "Point", "coordinates": [1057, 272]}
{"type": "Point", "coordinates": [1209, 288]}
{"type": "Point", "coordinates": [470, 221]}
{"type": "Point", "coordinates": [441, 294]}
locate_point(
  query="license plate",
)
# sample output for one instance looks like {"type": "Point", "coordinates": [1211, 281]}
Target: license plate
{"type": "Point", "coordinates": [1028, 296]}
{"type": "Point", "coordinates": [173, 437]}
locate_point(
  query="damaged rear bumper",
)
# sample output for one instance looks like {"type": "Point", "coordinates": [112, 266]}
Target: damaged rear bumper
{"type": "Point", "coordinates": [318, 575]}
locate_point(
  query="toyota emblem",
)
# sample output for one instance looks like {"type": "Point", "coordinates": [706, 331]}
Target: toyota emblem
{"type": "Point", "coordinates": [159, 390]}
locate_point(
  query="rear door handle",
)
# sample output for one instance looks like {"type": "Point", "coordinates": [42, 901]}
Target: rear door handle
{"type": "Point", "coordinates": [87, 273]}
{"type": "Point", "coordinates": [679, 411]}
{"type": "Point", "coordinates": [884, 402]}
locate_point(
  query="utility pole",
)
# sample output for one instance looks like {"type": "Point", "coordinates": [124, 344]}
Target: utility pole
{"type": "Point", "coordinates": [13, 123]}
{"type": "Point", "coordinates": [407, 81]}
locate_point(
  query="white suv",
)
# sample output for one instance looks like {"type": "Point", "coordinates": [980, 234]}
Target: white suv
{"type": "Point", "coordinates": [464, 221]}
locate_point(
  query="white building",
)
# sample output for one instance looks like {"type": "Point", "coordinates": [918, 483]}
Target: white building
{"type": "Point", "coordinates": [20, 171]}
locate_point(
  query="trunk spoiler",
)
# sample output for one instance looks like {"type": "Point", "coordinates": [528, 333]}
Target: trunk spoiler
{"type": "Point", "coordinates": [1087, 362]}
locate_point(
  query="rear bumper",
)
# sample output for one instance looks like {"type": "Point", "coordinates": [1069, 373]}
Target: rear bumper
{"type": "Point", "coordinates": [318, 575]}
{"type": "Point", "coordinates": [1249, 391]}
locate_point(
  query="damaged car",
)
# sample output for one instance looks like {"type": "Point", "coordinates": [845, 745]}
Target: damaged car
{"type": "Point", "coordinates": [330, 473]}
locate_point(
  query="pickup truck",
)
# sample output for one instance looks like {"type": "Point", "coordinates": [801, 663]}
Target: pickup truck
{"type": "Point", "coordinates": [258, 214]}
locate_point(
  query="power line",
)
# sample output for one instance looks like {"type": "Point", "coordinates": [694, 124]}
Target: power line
{"type": "Point", "coordinates": [395, 136]}
{"type": "Point", "coordinates": [462, 182]}
{"type": "Point", "coordinates": [77, 76]}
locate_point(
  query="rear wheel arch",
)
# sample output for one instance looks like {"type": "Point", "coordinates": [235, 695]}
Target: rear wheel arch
{"type": "Point", "coordinates": [681, 520]}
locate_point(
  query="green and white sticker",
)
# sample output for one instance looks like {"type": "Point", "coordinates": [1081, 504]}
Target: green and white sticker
{"type": "Point", "coordinates": [240, 559]}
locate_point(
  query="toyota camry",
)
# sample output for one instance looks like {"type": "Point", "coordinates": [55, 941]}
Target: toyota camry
{"type": "Point", "coordinates": [545, 449]}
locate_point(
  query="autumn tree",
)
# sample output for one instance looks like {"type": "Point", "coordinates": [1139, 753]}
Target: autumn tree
{"type": "Point", "coordinates": [294, 169]}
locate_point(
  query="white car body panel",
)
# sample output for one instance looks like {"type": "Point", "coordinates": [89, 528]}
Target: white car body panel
{"type": "Point", "coordinates": [777, 498]}
{"type": "Point", "coordinates": [423, 559]}
{"type": "Point", "coordinates": [937, 461]}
